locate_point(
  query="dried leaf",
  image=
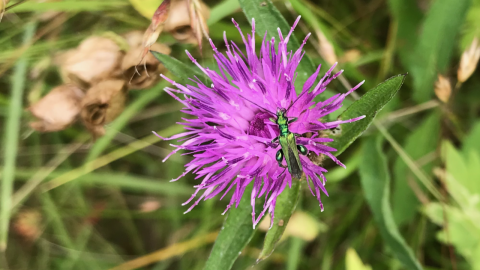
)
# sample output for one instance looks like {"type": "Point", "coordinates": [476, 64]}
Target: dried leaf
{"type": "Point", "coordinates": [180, 25]}
{"type": "Point", "coordinates": [326, 48]}
{"type": "Point", "coordinates": [443, 88]}
{"type": "Point", "coordinates": [351, 56]}
{"type": "Point", "coordinates": [149, 206]}
{"type": "Point", "coordinates": [145, 75]}
{"type": "Point", "coordinates": [3, 6]}
{"type": "Point", "coordinates": [58, 109]}
{"type": "Point", "coordinates": [469, 61]}
{"type": "Point", "coordinates": [95, 59]}
{"type": "Point", "coordinates": [102, 104]}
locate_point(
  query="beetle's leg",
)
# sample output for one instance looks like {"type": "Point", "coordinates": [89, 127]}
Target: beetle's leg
{"type": "Point", "coordinates": [273, 120]}
{"type": "Point", "coordinates": [275, 139]}
{"type": "Point", "coordinates": [279, 158]}
{"type": "Point", "coordinates": [302, 149]}
{"type": "Point", "coordinates": [292, 120]}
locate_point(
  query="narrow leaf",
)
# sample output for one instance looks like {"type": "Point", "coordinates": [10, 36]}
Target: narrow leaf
{"type": "Point", "coordinates": [11, 137]}
{"type": "Point", "coordinates": [375, 181]}
{"type": "Point", "coordinates": [286, 203]}
{"type": "Point", "coordinates": [369, 105]}
{"type": "Point", "coordinates": [236, 232]}
{"type": "Point", "coordinates": [179, 69]}
{"type": "Point", "coordinates": [434, 48]}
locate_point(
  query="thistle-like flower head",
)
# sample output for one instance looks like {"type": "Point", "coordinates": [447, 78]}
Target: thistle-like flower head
{"type": "Point", "coordinates": [230, 134]}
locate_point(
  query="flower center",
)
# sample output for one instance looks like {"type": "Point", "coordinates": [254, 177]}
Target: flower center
{"type": "Point", "coordinates": [257, 125]}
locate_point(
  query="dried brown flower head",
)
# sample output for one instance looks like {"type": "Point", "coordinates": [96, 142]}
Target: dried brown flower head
{"type": "Point", "coordinates": [180, 24]}
{"type": "Point", "coordinates": [95, 59]}
{"type": "Point", "coordinates": [155, 28]}
{"type": "Point", "coordinates": [144, 75]}
{"type": "Point", "coordinates": [102, 104]}
{"type": "Point", "coordinates": [469, 61]}
{"type": "Point", "coordinates": [58, 109]}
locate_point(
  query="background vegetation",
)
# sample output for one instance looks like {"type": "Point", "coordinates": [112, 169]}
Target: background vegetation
{"type": "Point", "coordinates": [409, 198]}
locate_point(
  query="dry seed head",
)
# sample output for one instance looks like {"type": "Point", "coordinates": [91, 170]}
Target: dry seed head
{"type": "Point", "coordinates": [58, 109]}
{"type": "Point", "coordinates": [469, 61]}
{"type": "Point", "coordinates": [102, 104]}
{"type": "Point", "coordinates": [147, 74]}
{"type": "Point", "coordinates": [180, 25]}
{"type": "Point", "coordinates": [95, 59]}
{"type": "Point", "coordinates": [443, 88]}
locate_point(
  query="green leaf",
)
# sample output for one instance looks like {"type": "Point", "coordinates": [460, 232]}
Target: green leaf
{"type": "Point", "coordinates": [375, 181]}
{"type": "Point", "coordinates": [222, 10]}
{"type": "Point", "coordinates": [286, 203]}
{"type": "Point", "coordinates": [369, 105]}
{"type": "Point", "coordinates": [417, 145]}
{"type": "Point", "coordinates": [461, 231]}
{"type": "Point", "coordinates": [471, 27]}
{"type": "Point", "coordinates": [462, 175]}
{"type": "Point", "coordinates": [183, 71]}
{"type": "Point", "coordinates": [236, 232]}
{"type": "Point", "coordinates": [433, 51]}
{"type": "Point", "coordinates": [471, 142]}
{"type": "Point", "coordinates": [408, 16]}
{"type": "Point", "coordinates": [268, 19]}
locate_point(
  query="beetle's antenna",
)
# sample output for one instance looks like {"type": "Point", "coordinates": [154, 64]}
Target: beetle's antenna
{"type": "Point", "coordinates": [296, 100]}
{"type": "Point", "coordinates": [274, 114]}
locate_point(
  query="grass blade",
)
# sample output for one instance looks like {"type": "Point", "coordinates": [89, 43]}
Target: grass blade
{"type": "Point", "coordinates": [12, 129]}
{"type": "Point", "coordinates": [417, 145]}
{"type": "Point", "coordinates": [110, 157]}
{"type": "Point", "coordinates": [375, 181]}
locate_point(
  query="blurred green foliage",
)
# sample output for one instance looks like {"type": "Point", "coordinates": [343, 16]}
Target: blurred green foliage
{"type": "Point", "coordinates": [414, 204]}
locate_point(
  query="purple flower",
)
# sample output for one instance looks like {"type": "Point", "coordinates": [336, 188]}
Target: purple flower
{"type": "Point", "coordinates": [230, 136]}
